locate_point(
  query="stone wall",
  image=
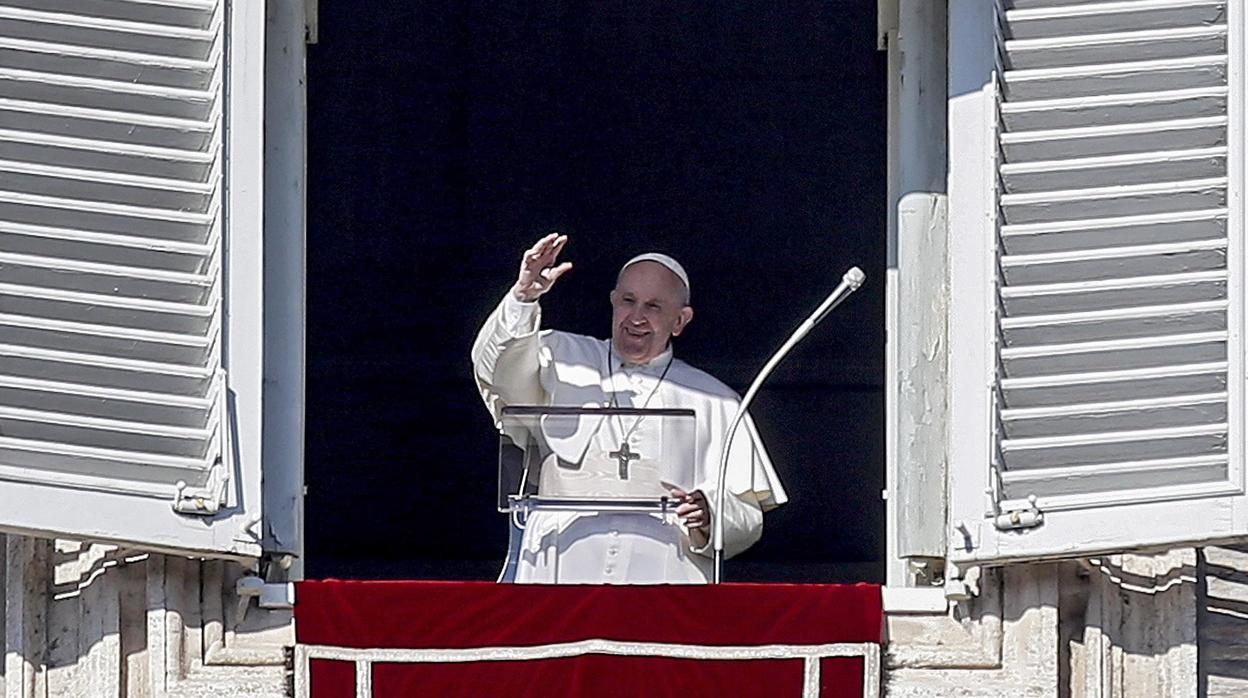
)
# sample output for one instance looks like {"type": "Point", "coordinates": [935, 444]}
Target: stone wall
{"type": "Point", "coordinates": [97, 620]}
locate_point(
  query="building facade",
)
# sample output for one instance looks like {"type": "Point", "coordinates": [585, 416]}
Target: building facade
{"type": "Point", "coordinates": [1066, 353]}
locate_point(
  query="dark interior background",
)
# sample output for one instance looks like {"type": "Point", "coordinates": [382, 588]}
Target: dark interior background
{"type": "Point", "coordinates": [747, 139]}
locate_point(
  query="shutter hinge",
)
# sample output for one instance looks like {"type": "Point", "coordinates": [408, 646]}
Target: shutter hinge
{"type": "Point", "coordinates": [1026, 517]}
{"type": "Point", "coordinates": [206, 500]}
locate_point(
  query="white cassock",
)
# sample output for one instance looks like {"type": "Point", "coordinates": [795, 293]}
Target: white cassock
{"type": "Point", "coordinates": [517, 363]}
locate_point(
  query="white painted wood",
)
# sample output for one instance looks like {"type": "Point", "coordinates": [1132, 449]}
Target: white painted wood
{"type": "Point", "coordinates": [244, 258]}
{"type": "Point", "coordinates": [898, 600]}
{"type": "Point", "coordinates": [971, 266]}
{"type": "Point", "coordinates": [1113, 360]}
{"type": "Point", "coordinates": [284, 260]}
{"type": "Point", "coordinates": [919, 507]}
{"type": "Point", "coordinates": [130, 172]}
{"type": "Point", "coordinates": [896, 570]}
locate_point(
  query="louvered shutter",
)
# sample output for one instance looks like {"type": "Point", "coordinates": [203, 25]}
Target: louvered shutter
{"type": "Point", "coordinates": [114, 421]}
{"type": "Point", "coordinates": [1112, 223]}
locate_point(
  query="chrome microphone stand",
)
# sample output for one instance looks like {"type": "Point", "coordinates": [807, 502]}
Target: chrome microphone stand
{"type": "Point", "coordinates": [849, 283]}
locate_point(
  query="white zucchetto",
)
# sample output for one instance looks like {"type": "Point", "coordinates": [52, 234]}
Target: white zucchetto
{"type": "Point", "coordinates": [660, 258]}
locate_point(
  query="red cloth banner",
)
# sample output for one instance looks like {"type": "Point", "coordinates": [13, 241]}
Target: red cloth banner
{"type": "Point", "coordinates": [471, 621]}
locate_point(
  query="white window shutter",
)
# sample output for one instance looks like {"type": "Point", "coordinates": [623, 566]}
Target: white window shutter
{"type": "Point", "coordinates": [115, 182]}
{"type": "Point", "coordinates": [1099, 256]}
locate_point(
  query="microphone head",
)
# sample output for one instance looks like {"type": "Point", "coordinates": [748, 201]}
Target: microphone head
{"type": "Point", "coordinates": [854, 278]}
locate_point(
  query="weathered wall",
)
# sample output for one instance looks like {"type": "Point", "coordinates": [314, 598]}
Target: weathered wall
{"type": "Point", "coordinates": [94, 620]}
{"type": "Point", "coordinates": [1120, 626]}
{"type": "Point", "coordinates": [1223, 618]}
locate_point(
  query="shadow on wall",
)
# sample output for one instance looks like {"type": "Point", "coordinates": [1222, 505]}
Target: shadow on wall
{"type": "Point", "coordinates": [1223, 621]}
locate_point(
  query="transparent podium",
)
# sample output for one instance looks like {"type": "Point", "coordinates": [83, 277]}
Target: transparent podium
{"type": "Point", "coordinates": [587, 461]}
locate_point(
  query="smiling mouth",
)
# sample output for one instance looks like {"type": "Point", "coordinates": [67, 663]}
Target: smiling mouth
{"type": "Point", "coordinates": [635, 333]}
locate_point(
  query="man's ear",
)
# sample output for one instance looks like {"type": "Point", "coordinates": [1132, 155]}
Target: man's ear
{"type": "Point", "coordinates": [611, 296]}
{"type": "Point", "coordinates": [686, 315]}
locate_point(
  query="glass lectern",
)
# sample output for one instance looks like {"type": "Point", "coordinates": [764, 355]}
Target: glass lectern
{"type": "Point", "coordinates": [591, 460]}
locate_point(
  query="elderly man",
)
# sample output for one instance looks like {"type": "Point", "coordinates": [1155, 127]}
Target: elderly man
{"type": "Point", "coordinates": [517, 363]}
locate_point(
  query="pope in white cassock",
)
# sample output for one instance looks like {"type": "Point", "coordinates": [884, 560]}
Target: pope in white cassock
{"type": "Point", "coordinates": [518, 363]}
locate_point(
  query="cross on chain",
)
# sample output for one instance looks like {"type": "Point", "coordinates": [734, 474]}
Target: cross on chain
{"type": "Point", "coordinates": [624, 455]}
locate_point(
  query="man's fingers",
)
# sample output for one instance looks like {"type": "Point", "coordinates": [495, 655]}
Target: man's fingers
{"type": "Point", "coordinates": [548, 243]}
{"type": "Point", "coordinates": [536, 250]}
{"type": "Point", "coordinates": [540, 246]}
{"type": "Point", "coordinates": [543, 252]}
{"type": "Point", "coordinates": [557, 247]}
{"type": "Point", "coordinates": [551, 274]}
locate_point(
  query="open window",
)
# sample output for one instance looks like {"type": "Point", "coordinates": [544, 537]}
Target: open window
{"type": "Point", "coordinates": [1096, 228]}
{"type": "Point", "coordinates": [131, 273]}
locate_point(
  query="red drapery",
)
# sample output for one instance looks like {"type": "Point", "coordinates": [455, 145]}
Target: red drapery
{"type": "Point", "coordinates": [461, 615]}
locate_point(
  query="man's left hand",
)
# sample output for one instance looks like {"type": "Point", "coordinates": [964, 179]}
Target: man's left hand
{"type": "Point", "coordinates": [693, 509]}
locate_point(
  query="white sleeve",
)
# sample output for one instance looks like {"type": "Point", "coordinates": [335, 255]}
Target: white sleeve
{"type": "Point", "coordinates": [505, 355]}
{"type": "Point", "coordinates": [743, 524]}
{"type": "Point", "coordinates": [519, 318]}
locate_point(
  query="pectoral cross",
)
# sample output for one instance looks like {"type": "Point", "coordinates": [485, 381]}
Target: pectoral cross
{"type": "Point", "coordinates": [624, 455]}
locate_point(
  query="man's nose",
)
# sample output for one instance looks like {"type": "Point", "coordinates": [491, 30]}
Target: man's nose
{"type": "Point", "coordinates": [636, 317]}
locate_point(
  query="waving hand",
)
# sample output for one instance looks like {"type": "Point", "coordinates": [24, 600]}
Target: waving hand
{"type": "Point", "coordinates": [538, 272]}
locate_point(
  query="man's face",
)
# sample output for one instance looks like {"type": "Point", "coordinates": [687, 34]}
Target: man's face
{"type": "Point", "coordinates": [648, 309]}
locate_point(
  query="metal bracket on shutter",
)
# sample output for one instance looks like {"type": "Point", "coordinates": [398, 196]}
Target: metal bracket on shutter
{"type": "Point", "coordinates": [1027, 517]}
{"type": "Point", "coordinates": [206, 500]}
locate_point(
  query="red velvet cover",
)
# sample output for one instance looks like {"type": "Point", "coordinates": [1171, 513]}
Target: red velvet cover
{"type": "Point", "coordinates": [456, 615]}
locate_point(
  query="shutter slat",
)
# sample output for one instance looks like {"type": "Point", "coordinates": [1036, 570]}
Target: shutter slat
{"type": "Point", "coordinates": [1114, 139]}
{"type": "Point", "coordinates": [1093, 233]}
{"type": "Point", "coordinates": [1126, 415]}
{"type": "Point", "coordinates": [1062, 19]}
{"type": "Point", "coordinates": [103, 248]}
{"type": "Point", "coordinates": [1117, 200]}
{"type": "Point", "coordinates": [95, 155]}
{"type": "Point", "coordinates": [1079, 265]}
{"type": "Point", "coordinates": [1131, 168]}
{"type": "Point", "coordinates": [1111, 293]}
{"type": "Point", "coordinates": [103, 371]}
{"type": "Point", "coordinates": [106, 124]}
{"type": "Point", "coordinates": [110, 240]}
{"type": "Point", "coordinates": [1116, 78]}
{"type": "Point", "coordinates": [1148, 45]}
{"type": "Point", "coordinates": [192, 13]}
{"type": "Point", "coordinates": [1114, 354]}
{"type": "Point", "coordinates": [112, 434]}
{"type": "Point", "coordinates": [1102, 448]}
{"type": "Point", "coordinates": [194, 42]}
{"type": "Point", "coordinates": [1146, 107]}
{"type": "Point", "coordinates": [1114, 478]}
{"type": "Point", "coordinates": [100, 392]}
{"type": "Point", "coordinates": [138, 466]}
{"type": "Point", "coordinates": [106, 63]}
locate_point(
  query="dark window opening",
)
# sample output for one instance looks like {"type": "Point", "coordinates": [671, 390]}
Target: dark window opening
{"type": "Point", "coordinates": [748, 141]}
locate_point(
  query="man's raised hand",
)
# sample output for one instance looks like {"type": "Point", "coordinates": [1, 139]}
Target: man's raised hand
{"type": "Point", "coordinates": [537, 268]}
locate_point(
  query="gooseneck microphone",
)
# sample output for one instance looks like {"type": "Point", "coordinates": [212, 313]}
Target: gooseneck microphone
{"type": "Point", "coordinates": [849, 283]}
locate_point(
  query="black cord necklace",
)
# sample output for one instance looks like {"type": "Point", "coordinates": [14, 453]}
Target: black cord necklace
{"type": "Point", "coordinates": [626, 454]}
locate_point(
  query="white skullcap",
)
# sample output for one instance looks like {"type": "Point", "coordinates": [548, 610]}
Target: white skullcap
{"type": "Point", "coordinates": [671, 264]}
